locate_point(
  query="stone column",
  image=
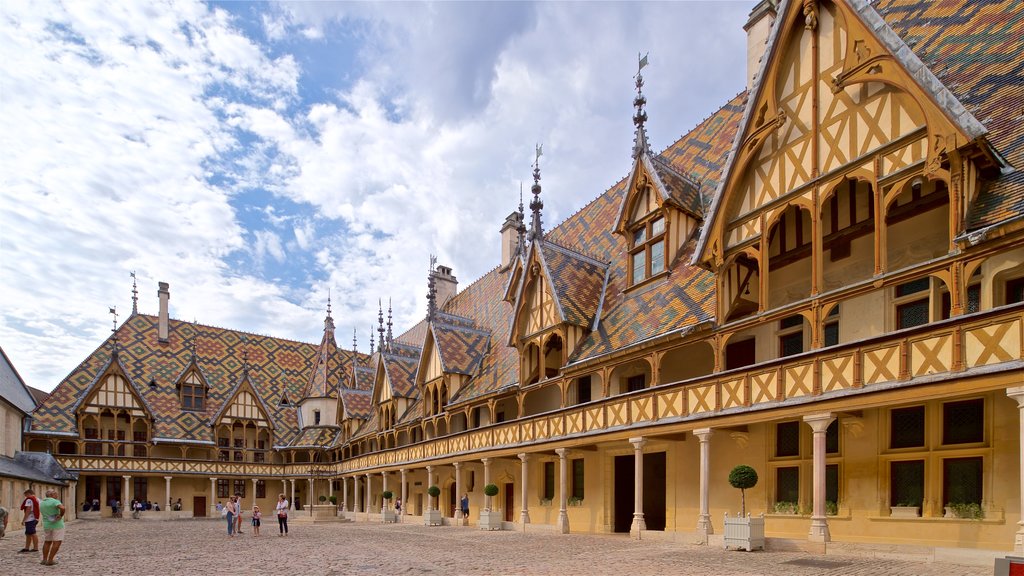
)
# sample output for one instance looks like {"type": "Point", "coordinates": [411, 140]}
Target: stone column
{"type": "Point", "coordinates": [430, 482]}
{"type": "Point", "coordinates": [311, 498]}
{"type": "Point", "coordinates": [819, 522]}
{"type": "Point", "coordinates": [254, 482]}
{"type": "Point", "coordinates": [383, 489]}
{"type": "Point", "coordinates": [213, 498]}
{"type": "Point", "coordinates": [704, 526]}
{"type": "Point", "coordinates": [563, 491]}
{"type": "Point", "coordinates": [167, 492]}
{"type": "Point", "coordinates": [330, 488]}
{"type": "Point", "coordinates": [524, 515]}
{"type": "Point", "coordinates": [487, 480]}
{"type": "Point", "coordinates": [344, 493]}
{"type": "Point", "coordinates": [284, 488]}
{"type": "Point", "coordinates": [405, 489]}
{"type": "Point", "coordinates": [292, 501]}
{"type": "Point", "coordinates": [458, 492]}
{"type": "Point", "coordinates": [126, 481]}
{"type": "Point", "coordinates": [355, 487]}
{"type": "Point", "coordinates": [1018, 540]}
{"type": "Point", "coordinates": [638, 487]}
{"type": "Point", "coordinates": [369, 492]}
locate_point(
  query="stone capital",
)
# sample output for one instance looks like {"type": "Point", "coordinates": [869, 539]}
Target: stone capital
{"type": "Point", "coordinates": [167, 477]}
{"type": "Point", "coordinates": [524, 457]}
{"type": "Point", "coordinates": [126, 477]}
{"type": "Point", "coordinates": [1017, 393]}
{"type": "Point", "coordinates": [486, 461]}
{"type": "Point", "coordinates": [703, 434]}
{"type": "Point", "coordinates": [819, 423]}
{"type": "Point", "coordinates": [457, 465]}
{"type": "Point", "coordinates": [562, 453]}
{"type": "Point", "coordinates": [638, 443]}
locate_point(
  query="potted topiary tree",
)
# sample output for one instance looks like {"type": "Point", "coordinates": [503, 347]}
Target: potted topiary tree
{"type": "Point", "coordinates": [744, 532]}
{"type": "Point", "coordinates": [432, 517]}
{"type": "Point", "coordinates": [387, 512]}
{"type": "Point", "coordinates": [490, 519]}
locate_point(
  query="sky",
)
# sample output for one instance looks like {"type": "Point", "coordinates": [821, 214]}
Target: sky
{"type": "Point", "coordinates": [258, 156]}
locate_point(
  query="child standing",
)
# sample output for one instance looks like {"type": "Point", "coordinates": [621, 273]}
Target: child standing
{"type": "Point", "coordinates": [256, 517]}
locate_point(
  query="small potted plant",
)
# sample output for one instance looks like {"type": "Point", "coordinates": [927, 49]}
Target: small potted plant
{"type": "Point", "coordinates": [905, 509]}
{"type": "Point", "coordinates": [966, 510]}
{"type": "Point", "coordinates": [786, 508]}
{"type": "Point", "coordinates": [432, 517]}
{"type": "Point", "coordinates": [387, 512]}
{"type": "Point", "coordinates": [322, 499]}
{"type": "Point", "coordinates": [744, 532]}
{"type": "Point", "coordinates": [490, 519]}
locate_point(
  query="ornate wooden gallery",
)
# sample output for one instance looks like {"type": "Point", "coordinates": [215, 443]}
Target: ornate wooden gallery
{"type": "Point", "coordinates": [823, 280]}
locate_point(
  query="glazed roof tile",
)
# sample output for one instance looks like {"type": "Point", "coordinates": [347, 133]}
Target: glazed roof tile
{"type": "Point", "coordinates": [578, 282]}
{"type": "Point", "coordinates": [460, 347]}
{"type": "Point", "coordinates": [356, 403]}
{"type": "Point", "coordinates": [315, 437]}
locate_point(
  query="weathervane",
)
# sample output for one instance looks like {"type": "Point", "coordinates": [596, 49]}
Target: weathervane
{"type": "Point", "coordinates": [135, 294]}
{"type": "Point", "coordinates": [640, 140]}
{"type": "Point", "coordinates": [113, 312]}
{"type": "Point", "coordinates": [431, 289]}
{"type": "Point", "coordinates": [536, 205]}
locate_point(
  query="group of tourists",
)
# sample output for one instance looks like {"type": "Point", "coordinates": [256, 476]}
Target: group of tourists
{"type": "Point", "coordinates": [232, 512]}
{"type": "Point", "coordinates": [51, 513]}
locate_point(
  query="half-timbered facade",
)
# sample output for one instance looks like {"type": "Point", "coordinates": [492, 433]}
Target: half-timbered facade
{"type": "Point", "coordinates": [823, 280]}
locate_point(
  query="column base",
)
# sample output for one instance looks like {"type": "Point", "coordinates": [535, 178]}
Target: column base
{"type": "Point", "coordinates": [704, 528]}
{"type": "Point", "coordinates": [1018, 542]}
{"type": "Point", "coordinates": [563, 522]}
{"type": "Point", "coordinates": [819, 530]}
{"type": "Point", "coordinates": [524, 517]}
{"type": "Point", "coordinates": [638, 525]}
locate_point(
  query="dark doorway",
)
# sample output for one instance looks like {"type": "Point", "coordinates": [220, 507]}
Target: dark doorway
{"type": "Point", "coordinates": [114, 490]}
{"type": "Point", "coordinates": [199, 506]}
{"type": "Point", "coordinates": [654, 492]}
{"type": "Point", "coordinates": [92, 490]}
{"type": "Point", "coordinates": [453, 498]}
{"type": "Point", "coordinates": [510, 501]}
{"type": "Point", "coordinates": [739, 354]}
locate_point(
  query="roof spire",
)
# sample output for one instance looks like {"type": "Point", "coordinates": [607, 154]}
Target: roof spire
{"type": "Point", "coordinates": [536, 205]}
{"type": "Point", "coordinates": [521, 227]}
{"type": "Point", "coordinates": [431, 290]}
{"type": "Point", "coordinates": [380, 326]}
{"type": "Point", "coordinates": [113, 341]}
{"type": "Point", "coordinates": [329, 320]}
{"type": "Point", "coordinates": [135, 294]}
{"type": "Point", "coordinates": [371, 340]}
{"type": "Point", "coordinates": [389, 340]}
{"type": "Point", "coordinates": [640, 139]}
{"type": "Point", "coordinates": [355, 343]}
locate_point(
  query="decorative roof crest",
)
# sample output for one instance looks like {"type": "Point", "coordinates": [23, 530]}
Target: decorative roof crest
{"type": "Point", "coordinates": [640, 139]}
{"type": "Point", "coordinates": [536, 205]}
{"type": "Point", "coordinates": [135, 294]}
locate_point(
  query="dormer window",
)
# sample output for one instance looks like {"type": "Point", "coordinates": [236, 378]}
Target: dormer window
{"type": "Point", "coordinates": [647, 254]}
{"type": "Point", "coordinates": [193, 393]}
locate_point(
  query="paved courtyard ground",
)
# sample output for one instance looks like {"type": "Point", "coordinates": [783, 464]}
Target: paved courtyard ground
{"type": "Point", "coordinates": [123, 547]}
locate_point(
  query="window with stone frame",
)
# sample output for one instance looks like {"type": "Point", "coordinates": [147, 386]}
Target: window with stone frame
{"type": "Point", "coordinates": [647, 255]}
{"type": "Point", "coordinates": [577, 478]}
{"type": "Point", "coordinates": [791, 335]}
{"type": "Point", "coordinates": [830, 330]}
{"type": "Point", "coordinates": [261, 489]}
{"type": "Point", "coordinates": [238, 487]}
{"type": "Point", "coordinates": [192, 393]}
{"type": "Point", "coordinates": [549, 481]}
{"type": "Point", "coordinates": [1013, 291]}
{"type": "Point", "coordinates": [223, 488]}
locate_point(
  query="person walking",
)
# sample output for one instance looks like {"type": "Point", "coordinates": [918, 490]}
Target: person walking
{"type": "Point", "coordinates": [282, 515]}
{"type": "Point", "coordinates": [229, 512]}
{"type": "Point", "coordinates": [53, 527]}
{"type": "Point", "coordinates": [464, 505]}
{"type": "Point", "coordinates": [257, 516]}
{"type": "Point", "coordinates": [30, 517]}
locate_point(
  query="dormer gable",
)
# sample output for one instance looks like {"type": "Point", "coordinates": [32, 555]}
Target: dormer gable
{"type": "Point", "coordinates": [113, 389]}
{"type": "Point", "coordinates": [244, 403]}
{"type": "Point", "coordinates": [193, 388]}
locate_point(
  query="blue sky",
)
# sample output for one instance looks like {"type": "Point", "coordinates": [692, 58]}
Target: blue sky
{"type": "Point", "coordinates": [257, 155]}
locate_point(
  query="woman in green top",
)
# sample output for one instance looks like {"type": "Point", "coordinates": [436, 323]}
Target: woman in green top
{"type": "Point", "coordinates": [52, 512]}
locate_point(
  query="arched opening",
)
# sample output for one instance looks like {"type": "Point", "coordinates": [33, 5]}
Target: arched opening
{"type": "Point", "coordinates": [552, 356]}
{"type": "Point", "coordinates": [457, 423]}
{"type": "Point", "coordinates": [847, 228]}
{"type": "Point", "coordinates": [479, 416]}
{"type": "Point", "coordinates": [789, 257]}
{"type": "Point", "coordinates": [690, 361]}
{"type": "Point", "coordinates": [630, 377]}
{"type": "Point", "coordinates": [917, 223]}
{"type": "Point", "coordinates": [506, 409]}
{"type": "Point", "coordinates": [403, 438]}
{"type": "Point", "coordinates": [584, 389]}
{"type": "Point", "coordinates": [441, 427]}
{"type": "Point", "coordinates": [544, 399]}
{"type": "Point", "coordinates": [740, 287]}
{"type": "Point", "coordinates": [67, 448]}
{"type": "Point", "coordinates": [531, 364]}
{"type": "Point", "coordinates": [140, 439]}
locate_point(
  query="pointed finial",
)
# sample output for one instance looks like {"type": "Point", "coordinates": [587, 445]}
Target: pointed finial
{"type": "Point", "coordinates": [640, 139]}
{"type": "Point", "coordinates": [536, 205]}
{"type": "Point", "coordinates": [113, 342]}
{"type": "Point", "coordinates": [380, 326]}
{"type": "Point", "coordinates": [355, 343]}
{"type": "Point", "coordinates": [371, 340]}
{"type": "Point", "coordinates": [135, 294]}
{"type": "Point", "coordinates": [521, 227]}
{"type": "Point", "coordinates": [329, 320]}
{"type": "Point", "coordinates": [431, 290]}
{"type": "Point", "coordinates": [389, 340]}
{"type": "Point", "coordinates": [328, 301]}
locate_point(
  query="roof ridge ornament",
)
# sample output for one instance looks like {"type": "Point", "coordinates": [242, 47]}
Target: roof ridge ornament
{"type": "Point", "coordinates": [371, 341]}
{"type": "Point", "coordinates": [431, 290]}
{"type": "Point", "coordinates": [640, 144]}
{"type": "Point", "coordinates": [390, 339]}
{"type": "Point", "coordinates": [135, 294]}
{"type": "Point", "coordinates": [521, 226]}
{"type": "Point", "coordinates": [536, 205]}
{"type": "Point", "coordinates": [380, 325]}
{"type": "Point", "coordinates": [329, 320]}
{"type": "Point", "coordinates": [113, 341]}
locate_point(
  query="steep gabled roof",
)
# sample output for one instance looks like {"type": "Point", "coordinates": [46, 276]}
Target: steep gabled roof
{"type": "Point", "coordinates": [356, 403]}
{"type": "Point", "coordinates": [461, 345]}
{"type": "Point", "coordinates": [315, 437]}
{"type": "Point", "coordinates": [400, 364]}
{"type": "Point", "coordinates": [13, 388]}
{"type": "Point", "coordinates": [578, 282]}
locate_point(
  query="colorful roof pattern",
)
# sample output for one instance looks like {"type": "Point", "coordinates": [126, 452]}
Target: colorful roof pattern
{"type": "Point", "coordinates": [315, 437]}
{"type": "Point", "coordinates": [327, 374]}
{"type": "Point", "coordinates": [460, 345]}
{"type": "Point", "coordinates": [673, 186]}
{"type": "Point", "coordinates": [578, 282]}
{"type": "Point", "coordinates": [400, 363]}
{"type": "Point", "coordinates": [977, 50]}
{"type": "Point", "coordinates": [277, 368]}
{"type": "Point", "coordinates": [356, 403]}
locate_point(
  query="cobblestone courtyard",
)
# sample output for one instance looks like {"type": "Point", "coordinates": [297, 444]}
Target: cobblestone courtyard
{"type": "Point", "coordinates": [201, 547]}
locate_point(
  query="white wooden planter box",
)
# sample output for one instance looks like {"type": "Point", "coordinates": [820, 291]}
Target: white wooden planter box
{"type": "Point", "coordinates": [490, 520]}
{"type": "Point", "coordinates": [432, 518]}
{"type": "Point", "coordinates": [904, 511]}
{"type": "Point", "coordinates": [744, 533]}
{"type": "Point", "coordinates": [390, 516]}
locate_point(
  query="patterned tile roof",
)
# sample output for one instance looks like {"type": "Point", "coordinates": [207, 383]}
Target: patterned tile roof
{"type": "Point", "coordinates": [412, 413]}
{"type": "Point", "coordinates": [356, 403]}
{"type": "Point", "coordinates": [578, 282]}
{"type": "Point", "coordinates": [976, 48]}
{"type": "Point", "coordinates": [277, 368]}
{"type": "Point", "coordinates": [400, 365]}
{"type": "Point", "coordinates": [675, 187]}
{"type": "Point", "coordinates": [327, 374]}
{"type": "Point", "coordinates": [461, 346]}
{"type": "Point", "coordinates": [315, 437]}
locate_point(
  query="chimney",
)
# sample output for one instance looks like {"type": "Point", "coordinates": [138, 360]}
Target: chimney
{"type": "Point", "coordinates": [758, 26]}
{"type": "Point", "coordinates": [164, 293]}
{"type": "Point", "coordinates": [509, 238]}
{"type": "Point", "coordinates": [447, 285]}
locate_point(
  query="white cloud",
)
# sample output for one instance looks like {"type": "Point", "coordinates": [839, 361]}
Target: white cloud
{"type": "Point", "coordinates": [129, 132]}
